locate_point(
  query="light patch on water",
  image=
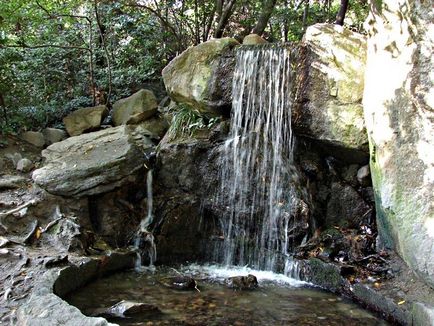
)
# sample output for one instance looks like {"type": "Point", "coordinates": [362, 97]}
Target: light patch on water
{"type": "Point", "coordinates": [220, 273]}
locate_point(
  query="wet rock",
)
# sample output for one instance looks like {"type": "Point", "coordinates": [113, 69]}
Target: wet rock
{"type": "Point", "coordinates": [248, 282]}
{"type": "Point", "coordinates": [11, 181]}
{"type": "Point", "coordinates": [92, 163]}
{"type": "Point", "coordinates": [179, 282]}
{"type": "Point", "coordinates": [364, 176]}
{"type": "Point", "coordinates": [201, 76]}
{"type": "Point", "coordinates": [349, 174]}
{"type": "Point", "coordinates": [253, 39]}
{"type": "Point", "coordinates": [134, 109]}
{"type": "Point", "coordinates": [345, 207]}
{"type": "Point", "coordinates": [25, 165]}
{"type": "Point", "coordinates": [330, 91]}
{"type": "Point", "coordinates": [34, 137]}
{"type": "Point", "coordinates": [85, 119]}
{"type": "Point", "coordinates": [53, 135]}
{"type": "Point", "coordinates": [126, 308]}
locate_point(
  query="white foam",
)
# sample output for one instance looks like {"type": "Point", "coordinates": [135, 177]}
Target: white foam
{"type": "Point", "coordinates": [219, 273]}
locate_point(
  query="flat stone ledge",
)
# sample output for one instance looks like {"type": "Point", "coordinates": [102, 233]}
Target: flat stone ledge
{"type": "Point", "coordinates": [328, 277]}
{"type": "Point", "coordinates": [46, 306]}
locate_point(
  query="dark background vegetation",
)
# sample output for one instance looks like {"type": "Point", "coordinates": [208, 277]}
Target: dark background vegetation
{"type": "Point", "coordinates": [57, 56]}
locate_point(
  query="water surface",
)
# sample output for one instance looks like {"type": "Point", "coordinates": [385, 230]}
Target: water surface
{"type": "Point", "coordinates": [279, 300]}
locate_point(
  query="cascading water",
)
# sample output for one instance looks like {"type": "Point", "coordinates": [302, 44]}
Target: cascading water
{"type": "Point", "coordinates": [144, 239]}
{"type": "Point", "coordinates": [258, 179]}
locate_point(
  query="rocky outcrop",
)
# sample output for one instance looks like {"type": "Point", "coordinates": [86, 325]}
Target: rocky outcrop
{"type": "Point", "coordinates": [330, 87]}
{"type": "Point", "coordinates": [138, 107]}
{"type": "Point", "coordinates": [85, 119]}
{"type": "Point", "coordinates": [92, 163]}
{"type": "Point", "coordinates": [399, 114]}
{"type": "Point", "coordinates": [201, 76]}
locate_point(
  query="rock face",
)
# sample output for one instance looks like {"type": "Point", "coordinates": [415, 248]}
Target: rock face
{"type": "Point", "coordinates": [34, 137]}
{"type": "Point", "coordinates": [330, 87]}
{"type": "Point", "coordinates": [201, 76]}
{"type": "Point", "coordinates": [85, 119]}
{"type": "Point", "coordinates": [92, 163]}
{"type": "Point", "coordinates": [400, 123]}
{"type": "Point", "coordinates": [138, 107]}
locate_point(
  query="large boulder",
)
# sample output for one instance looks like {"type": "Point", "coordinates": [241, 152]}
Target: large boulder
{"type": "Point", "coordinates": [85, 119]}
{"type": "Point", "coordinates": [138, 107]}
{"type": "Point", "coordinates": [92, 163]}
{"type": "Point", "coordinates": [201, 76]}
{"type": "Point", "coordinates": [330, 87]}
{"type": "Point", "coordinates": [399, 114]}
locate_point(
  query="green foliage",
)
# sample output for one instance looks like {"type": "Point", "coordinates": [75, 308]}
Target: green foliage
{"type": "Point", "coordinates": [186, 121]}
{"type": "Point", "coordinates": [52, 58]}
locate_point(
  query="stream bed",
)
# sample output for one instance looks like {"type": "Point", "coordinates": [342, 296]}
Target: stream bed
{"type": "Point", "coordinates": [279, 300]}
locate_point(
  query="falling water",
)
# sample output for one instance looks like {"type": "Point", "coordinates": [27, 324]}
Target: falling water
{"type": "Point", "coordinates": [257, 176]}
{"type": "Point", "coordinates": [144, 240]}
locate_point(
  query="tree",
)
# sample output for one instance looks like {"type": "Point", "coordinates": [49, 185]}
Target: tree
{"type": "Point", "coordinates": [340, 17]}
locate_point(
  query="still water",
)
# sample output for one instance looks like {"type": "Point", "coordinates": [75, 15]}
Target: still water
{"type": "Point", "coordinates": [279, 300]}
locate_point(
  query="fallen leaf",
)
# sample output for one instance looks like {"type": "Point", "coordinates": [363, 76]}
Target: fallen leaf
{"type": "Point", "coordinates": [401, 302]}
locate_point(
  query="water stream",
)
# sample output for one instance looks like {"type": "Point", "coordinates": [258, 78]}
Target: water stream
{"type": "Point", "coordinates": [258, 181]}
{"type": "Point", "coordinates": [144, 239]}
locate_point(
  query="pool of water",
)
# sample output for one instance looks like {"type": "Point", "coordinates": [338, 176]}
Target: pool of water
{"type": "Point", "coordinates": [279, 300]}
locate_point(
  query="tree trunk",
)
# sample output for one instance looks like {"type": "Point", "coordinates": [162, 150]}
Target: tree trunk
{"type": "Point", "coordinates": [107, 55]}
{"type": "Point", "coordinates": [226, 13]}
{"type": "Point", "coordinates": [267, 10]}
{"type": "Point", "coordinates": [341, 14]}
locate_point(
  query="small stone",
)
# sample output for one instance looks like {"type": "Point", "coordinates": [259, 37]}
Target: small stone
{"type": "Point", "coordinates": [126, 308]}
{"type": "Point", "coordinates": [248, 282]}
{"type": "Point", "coordinates": [179, 283]}
{"type": "Point", "coordinates": [364, 176]}
{"type": "Point", "coordinates": [25, 165]}
{"type": "Point", "coordinates": [253, 39]}
{"type": "Point", "coordinates": [14, 158]}
{"type": "Point", "coordinates": [34, 137]}
{"type": "Point", "coordinates": [53, 135]}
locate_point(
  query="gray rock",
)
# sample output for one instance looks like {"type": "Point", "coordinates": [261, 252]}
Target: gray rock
{"type": "Point", "coordinates": [201, 76]}
{"type": "Point", "coordinates": [349, 174]}
{"type": "Point", "coordinates": [156, 125]}
{"type": "Point", "coordinates": [85, 119]}
{"type": "Point", "coordinates": [330, 87]}
{"type": "Point", "coordinates": [14, 158]}
{"type": "Point", "coordinates": [400, 123]}
{"type": "Point", "coordinates": [34, 137]}
{"type": "Point", "coordinates": [345, 207]}
{"type": "Point", "coordinates": [53, 135]}
{"type": "Point", "coordinates": [25, 165]}
{"type": "Point", "coordinates": [126, 308]}
{"type": "Point", "coordinates": [92, 163]}
{"type": "Point", "coordinates": [253, 39]}
{"type": "Point", "coordinates": [138, 107]}
{"type": "Point", "coordinates": [364, 176]}
{"type": "Point", "coordinates": [11, 181]}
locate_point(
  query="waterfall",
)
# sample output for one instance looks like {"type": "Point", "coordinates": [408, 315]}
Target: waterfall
{"type": "Point", "coordinates": [258, 192]}
{"type": "Point", "coordinates": [144, 239]}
